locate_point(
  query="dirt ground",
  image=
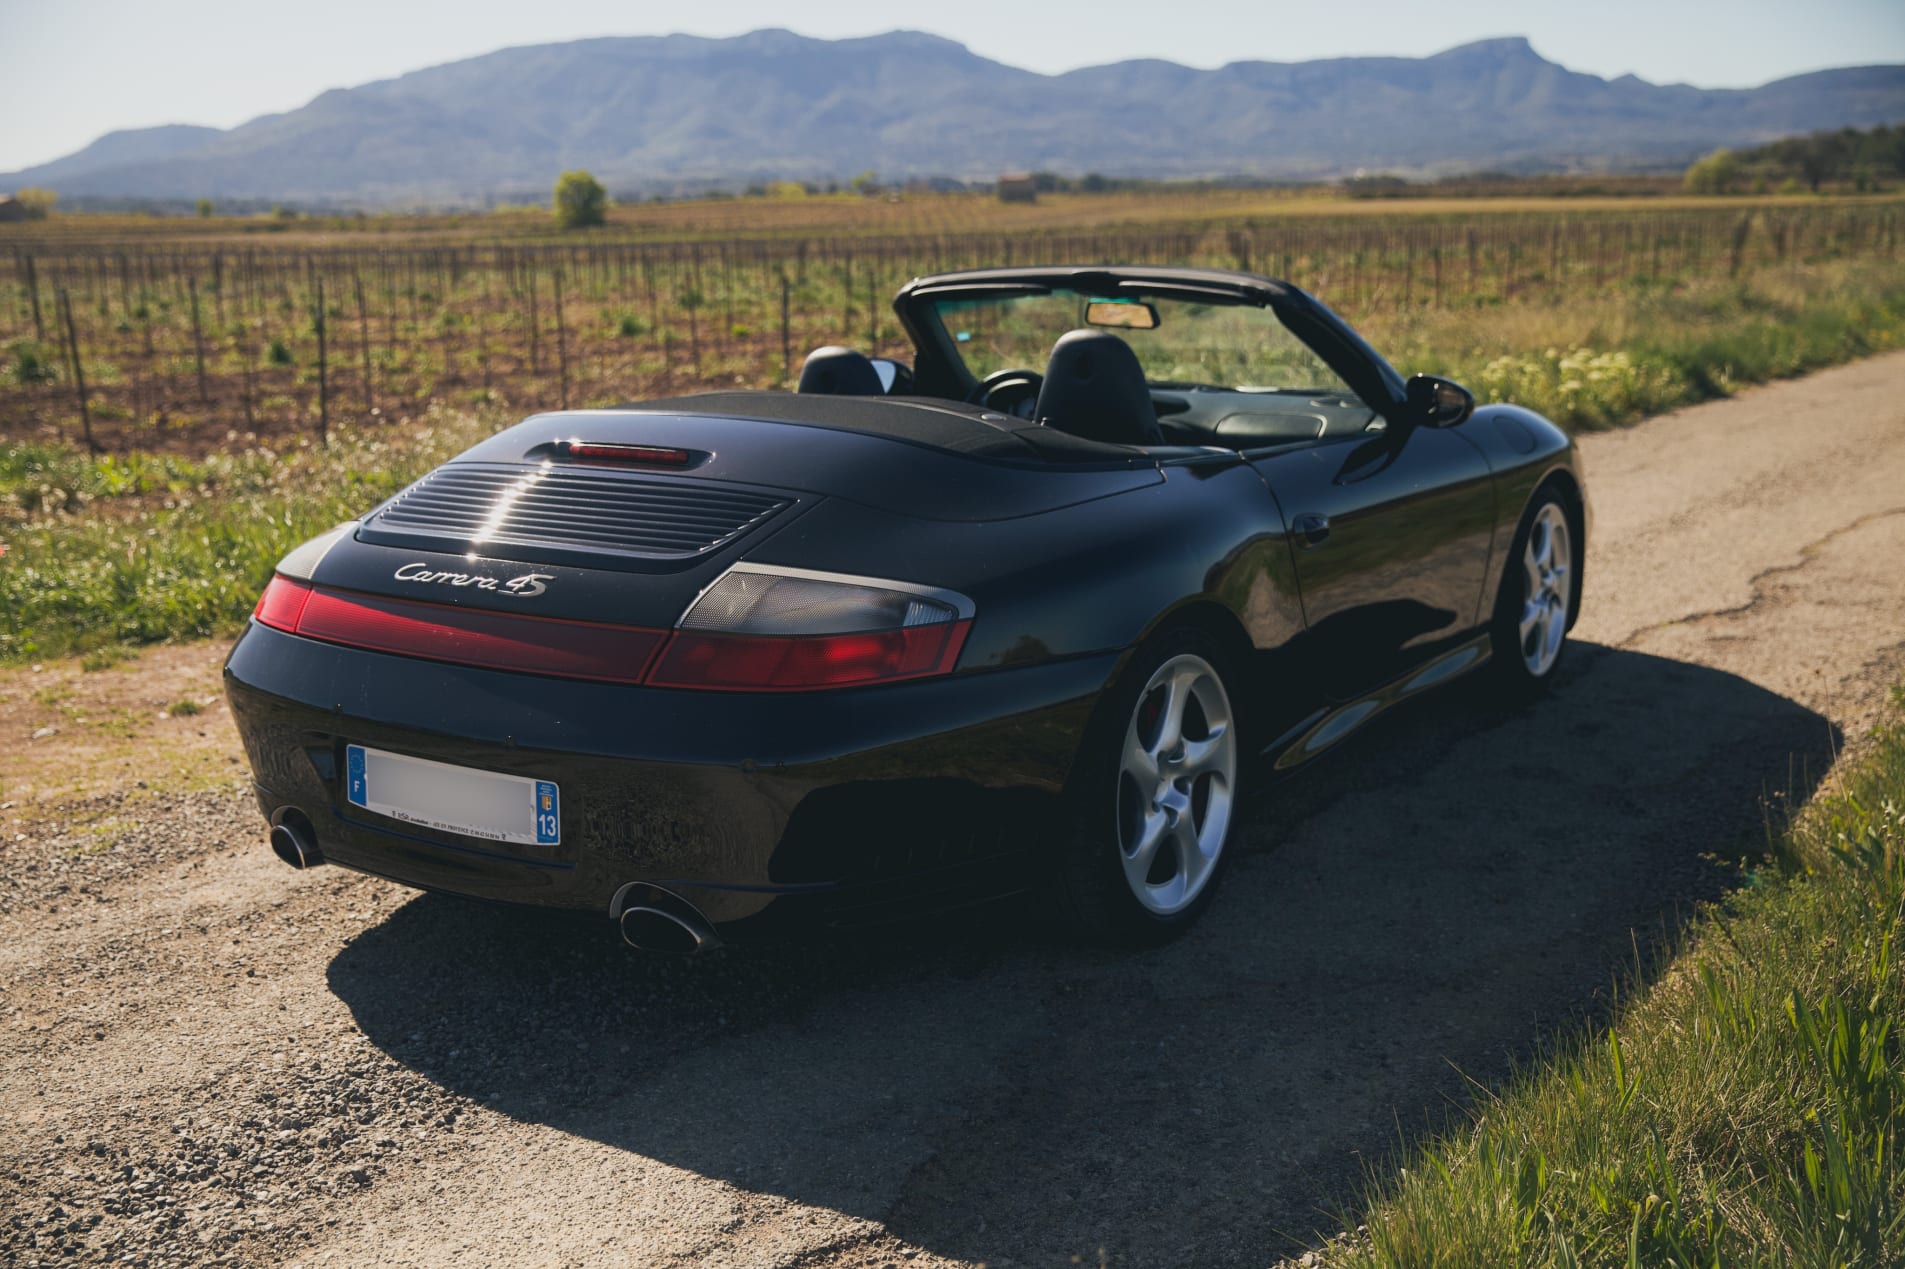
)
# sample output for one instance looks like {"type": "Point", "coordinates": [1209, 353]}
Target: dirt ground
{"type": "Point", "coordinates": [208, 1058]}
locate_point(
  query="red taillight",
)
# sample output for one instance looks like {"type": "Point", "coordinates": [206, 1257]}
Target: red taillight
{"type": "Point", "coordinates": [743, 663]}
{"type": "Point", "coordinates": [647, 455]}
{"type": "Point", "coordinates": [721, 645]}
{"type": "Point", "coordinates": [465, 636]}
{"type": "Point", "coordinates": [282, 603]}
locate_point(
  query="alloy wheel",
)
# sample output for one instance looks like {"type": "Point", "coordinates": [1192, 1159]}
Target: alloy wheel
{"type": "Point", "coordinates": [1176, 782]}
{"type": "Point", "coordinates": [1547, 562]}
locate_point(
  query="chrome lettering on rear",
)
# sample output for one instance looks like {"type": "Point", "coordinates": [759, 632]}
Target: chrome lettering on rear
{"type": "Point", "coordinates": [527, 586]}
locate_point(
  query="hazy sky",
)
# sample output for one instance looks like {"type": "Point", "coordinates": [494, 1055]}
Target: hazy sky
{"type": "Point", "coordinates": [72, 69]}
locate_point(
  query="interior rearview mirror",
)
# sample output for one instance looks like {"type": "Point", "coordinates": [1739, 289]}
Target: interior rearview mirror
{"type": "Point", "coordinates": [1439, 402]}
{"type": "Point", "coordinates": [1122, 314]}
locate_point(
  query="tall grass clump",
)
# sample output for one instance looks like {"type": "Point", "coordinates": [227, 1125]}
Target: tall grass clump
{"type": "Point", "coordinates": [142, 548]}
{"type": "Point", "coordinates": [1744, 1110]}
{"type": "Point", "coordinates": [1594, 362]}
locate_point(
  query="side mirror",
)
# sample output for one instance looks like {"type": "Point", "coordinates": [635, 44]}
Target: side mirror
{"type": "Point", "coordinates": [1438, 402]}
{"type": "Point", "coordinates": [896, 377]}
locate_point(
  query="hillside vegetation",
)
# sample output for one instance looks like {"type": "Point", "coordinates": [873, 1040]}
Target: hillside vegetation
{"type": "Point", "coordinates": [1844, 159]}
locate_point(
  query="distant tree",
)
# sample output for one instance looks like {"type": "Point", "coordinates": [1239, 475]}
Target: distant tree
{"type": "Point", "coordinates": [1844, 157]}
{"type": "Point", "coordinates": [580, 200]}
{"type": "Point", "coordinates": [867, 182]}
{"type": "Point", "coordinates": [1717, 173]}
{"type": "Point", "coordinates": [204, 207]}
{"type": "Point", "coordinates": [38, 203]}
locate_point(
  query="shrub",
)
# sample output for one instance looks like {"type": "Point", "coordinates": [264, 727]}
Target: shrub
{"type": "Point", "coordinates": [1717, 173]}
{"type": "Point", "coordinates": [277, 354]}
{"type": "Point", "coordinates": [580, 200]}
{"type": "Point", "coordinates": [30, 364]}
{"type": "Point", "coordinates": [36, 203]}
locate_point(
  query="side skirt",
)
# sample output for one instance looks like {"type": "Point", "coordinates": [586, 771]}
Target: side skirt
{"type": "Point", "coordinates": [1323, 729]}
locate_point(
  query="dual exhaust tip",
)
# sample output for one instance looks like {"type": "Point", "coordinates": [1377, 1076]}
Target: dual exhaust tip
{"type": "Point", "coordinates": [650, 918]}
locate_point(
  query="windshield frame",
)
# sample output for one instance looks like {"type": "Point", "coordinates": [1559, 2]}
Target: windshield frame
{"type": "Point", "coordinates": [942, 372]}
{"type": "Point", "coordinates": [1188, 349]}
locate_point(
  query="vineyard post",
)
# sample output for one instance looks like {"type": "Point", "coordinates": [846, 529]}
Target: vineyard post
{"type": "Point", "coordinates": [846, 295]}
{"type": "Point", "coordinates": [363, 342]}
{"type": "Point", "coordinates": [562, 339]}
{"type": "Point", "coordinates": [244, 363]}
{"type": "Point", "coordinates": [198, 341]}
{"type": "Point", "coordinates": [692, 302]}
{"type": "Point", "coordinates": [79, 374]}
{"type": "Point", "coordinates": [33, 292]}
{"type": "Point", "coordinates": [787, 334]}
{"type": "Point", "coordinates": [324, 387]}
{"type": "Point", "coordinates": [535, 367]}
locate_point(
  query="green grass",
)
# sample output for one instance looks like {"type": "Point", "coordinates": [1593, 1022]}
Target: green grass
{"type": "Point", "coordinates": [1743, 1110]}
{"type": "Point", "coordinates": [137, 548]}
{"type": "Point", "coordinates": [1602, 361]}
{"type": "Point", "coordinates": [114, 551]}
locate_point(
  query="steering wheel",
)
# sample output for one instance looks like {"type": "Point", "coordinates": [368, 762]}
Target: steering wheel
{"type": "Point", "coordinates": [1010, 391]}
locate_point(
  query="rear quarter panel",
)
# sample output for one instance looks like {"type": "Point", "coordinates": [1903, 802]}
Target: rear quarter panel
{"type": "Point", "coordinates": [1091, 577]}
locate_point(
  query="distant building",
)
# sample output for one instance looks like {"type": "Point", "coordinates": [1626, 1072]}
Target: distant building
{"type": "Point", "coordinates": [1018, 187]}
{"type": "Point", "coordinates": [11, 208]}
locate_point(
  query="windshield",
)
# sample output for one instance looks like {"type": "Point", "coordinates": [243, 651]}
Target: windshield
{"type": "Point", "coordinates": [1180, 343]}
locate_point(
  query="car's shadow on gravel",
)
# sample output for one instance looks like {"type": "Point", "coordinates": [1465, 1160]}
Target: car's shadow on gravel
{"type": "Point", "coordinates": [1416, 911]}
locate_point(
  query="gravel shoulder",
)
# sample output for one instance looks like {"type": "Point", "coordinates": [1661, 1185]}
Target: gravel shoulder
{"type": "Point", "coordinates": [205, 1056]}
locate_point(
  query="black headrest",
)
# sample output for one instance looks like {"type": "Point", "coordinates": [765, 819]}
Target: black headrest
{"type": "Point", "coordinates": [840, 372]}
{"type": "Point", "coordinates": [1094, 388]}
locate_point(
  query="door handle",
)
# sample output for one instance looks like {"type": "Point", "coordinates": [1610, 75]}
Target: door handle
{"type": "Point", "coordinates": [1312, 529]}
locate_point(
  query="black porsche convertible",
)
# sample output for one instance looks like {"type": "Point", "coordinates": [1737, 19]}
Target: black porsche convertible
{"type": "Point", "coordinates": [1030, 613]}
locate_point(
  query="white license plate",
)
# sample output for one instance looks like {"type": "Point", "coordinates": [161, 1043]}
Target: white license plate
{"type": "Point", "coordinates": [486, 804]}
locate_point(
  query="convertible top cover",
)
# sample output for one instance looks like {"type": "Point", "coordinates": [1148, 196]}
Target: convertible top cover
{"type": "Point", "coordinates": [948, 425]}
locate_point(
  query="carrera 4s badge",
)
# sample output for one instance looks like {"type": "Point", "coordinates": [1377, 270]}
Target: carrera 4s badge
{"type": "Point", "coordinates": [528, 586]}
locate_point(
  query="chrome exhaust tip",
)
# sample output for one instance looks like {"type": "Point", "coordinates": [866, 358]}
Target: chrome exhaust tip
{"type": "Point", "coordinates": [653, 930]}
{"type": "Point", "coordinates": [654, 920]}
{"type": "Point", "coordinates": [293, 840]}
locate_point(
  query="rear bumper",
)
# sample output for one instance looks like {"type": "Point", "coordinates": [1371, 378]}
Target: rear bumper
{"type": "Point", "coordinates": [854, 803]}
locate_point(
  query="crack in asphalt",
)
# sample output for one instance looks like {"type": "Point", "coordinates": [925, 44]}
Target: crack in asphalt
{"type": "Point", "coordinates": [1807, 554]}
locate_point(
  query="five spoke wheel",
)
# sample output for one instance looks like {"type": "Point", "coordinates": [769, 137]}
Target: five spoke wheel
{"type": "Point", "coordinates": [1176, 783]}
{"type": "Point", "coordinates": [1547, 560]}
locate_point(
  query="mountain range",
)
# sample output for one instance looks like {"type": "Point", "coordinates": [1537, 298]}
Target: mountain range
{"type": "Point", "coordinates": [648, 114]}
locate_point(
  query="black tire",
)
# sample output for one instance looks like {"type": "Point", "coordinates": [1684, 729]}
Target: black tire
{"type": "Point", "coordinates": [1523, 660]}
{"type": "Point", "coordinates": [1098, 900]}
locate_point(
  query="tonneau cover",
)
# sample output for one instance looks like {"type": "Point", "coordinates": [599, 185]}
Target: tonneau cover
{"type": "Point", "coordinates": [947, 425]}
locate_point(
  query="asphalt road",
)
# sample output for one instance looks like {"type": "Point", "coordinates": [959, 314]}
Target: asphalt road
{"type": "Point", "coordinates": [204, 1055]}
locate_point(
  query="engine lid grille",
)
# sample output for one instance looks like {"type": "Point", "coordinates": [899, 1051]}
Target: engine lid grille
{"type": "Point", "coordinates": [474, 507]}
